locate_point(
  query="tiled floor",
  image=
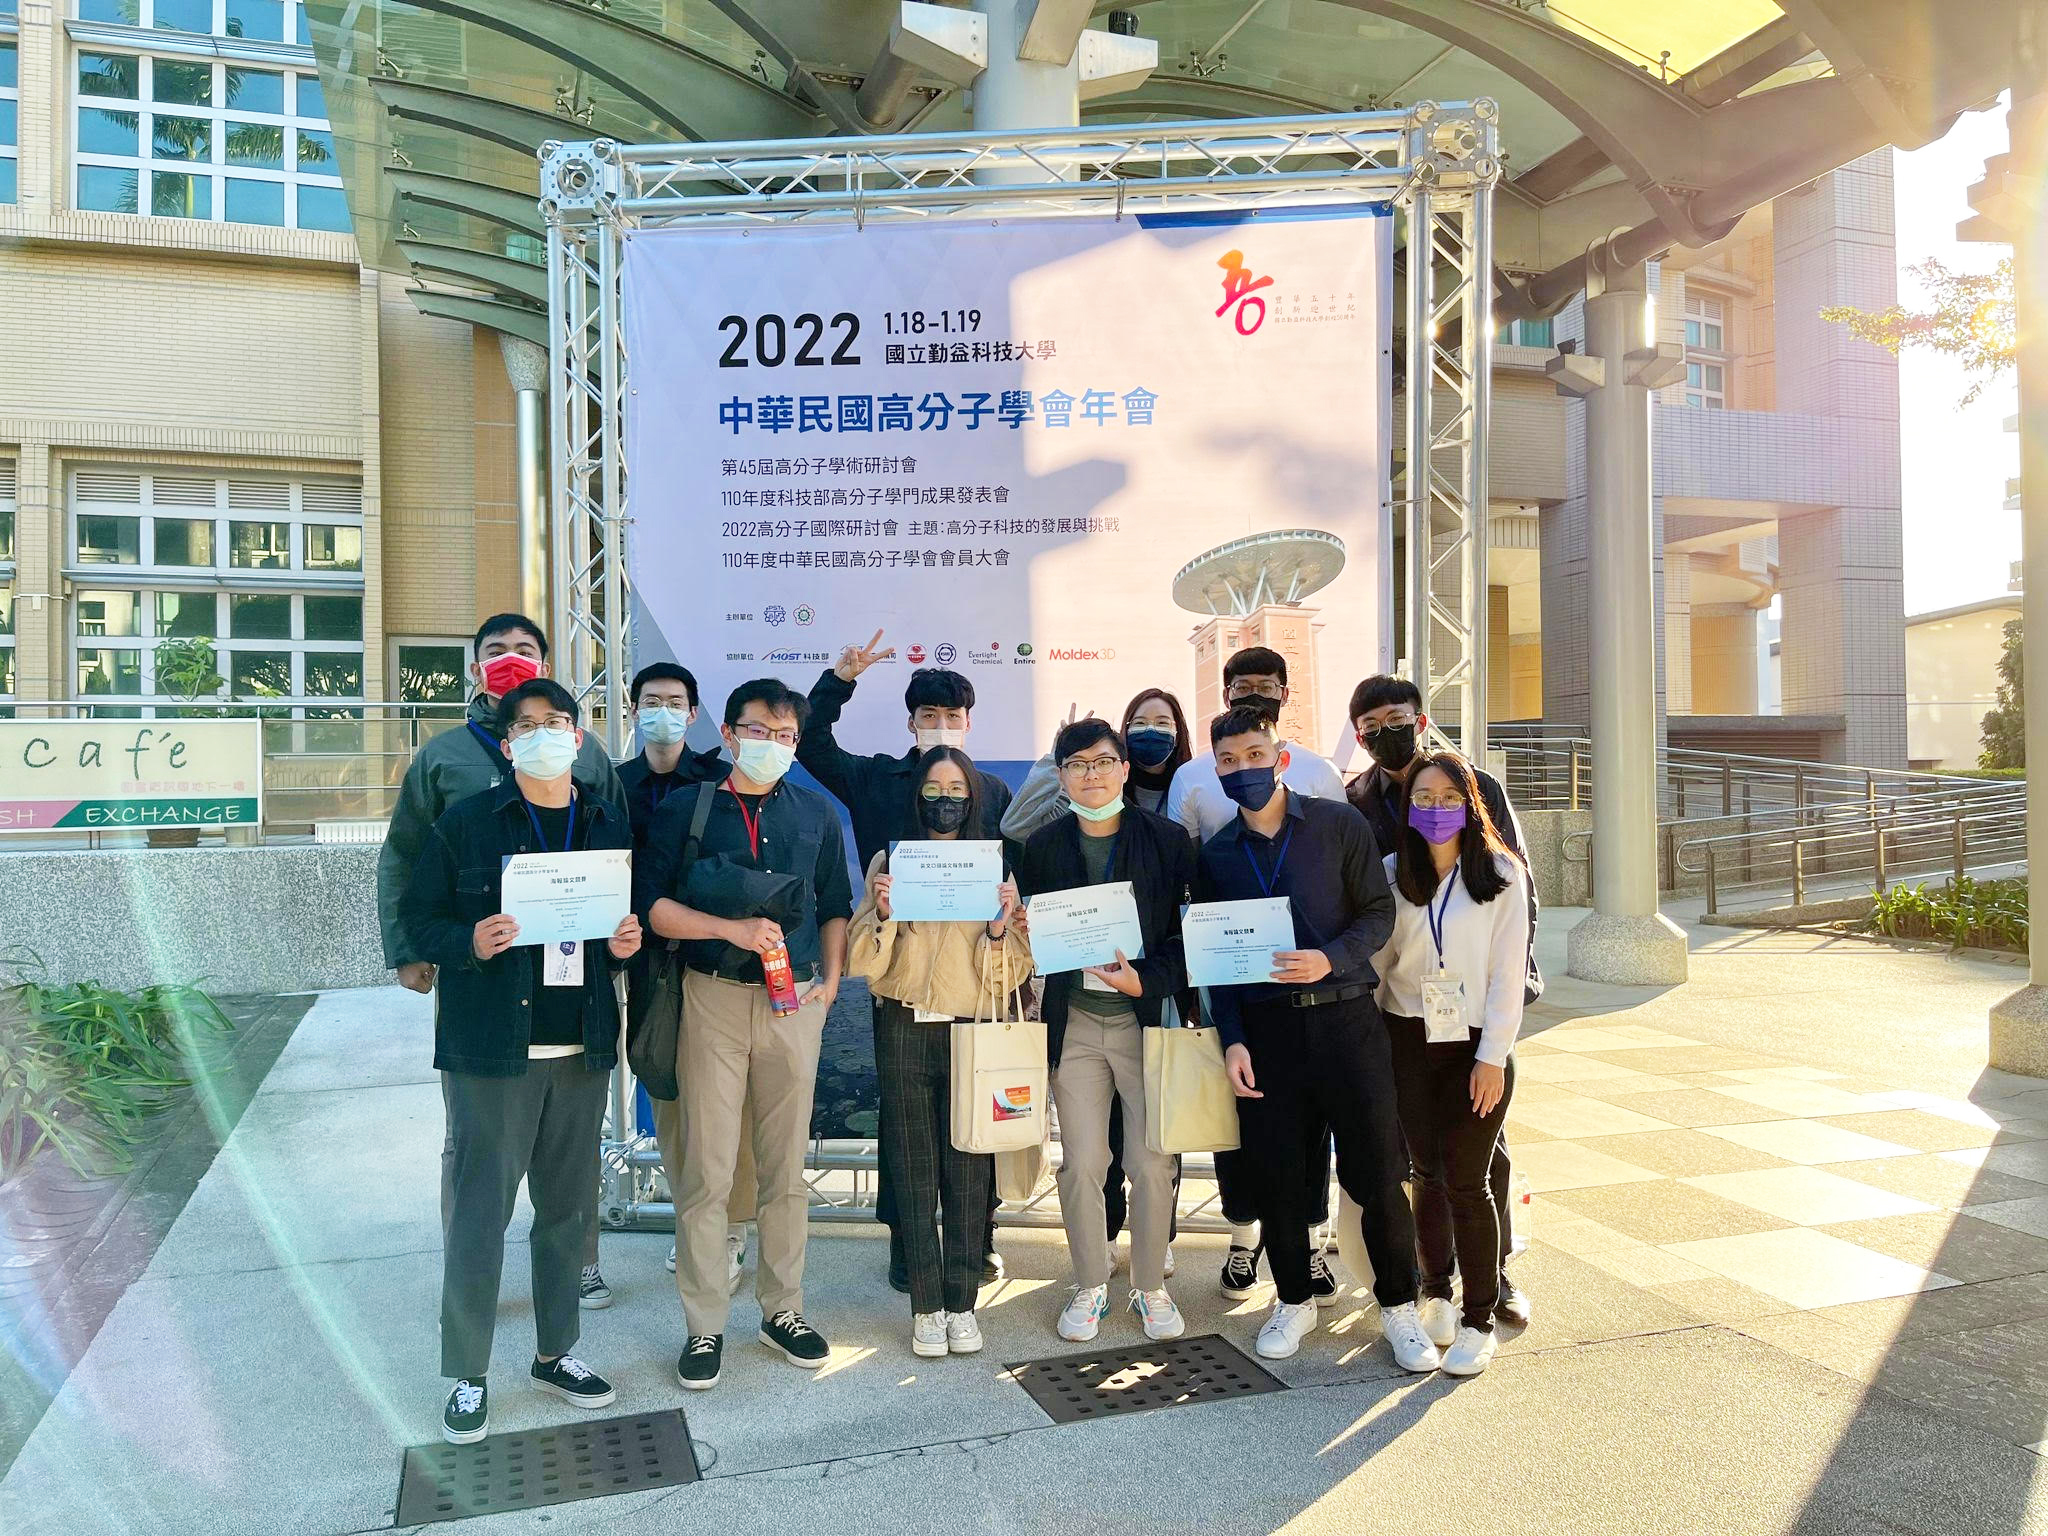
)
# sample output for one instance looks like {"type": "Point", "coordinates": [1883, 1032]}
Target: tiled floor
{"type": "Point", "coordinates": [1892, 1235]}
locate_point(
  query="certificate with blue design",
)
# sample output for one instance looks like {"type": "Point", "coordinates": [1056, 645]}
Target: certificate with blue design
{"type": "Point", "coordinates": [1084, 926]}
{"type": "Point", "coordinates": [945, 882]}
{"type": "Point", "coordinates": [1232, 943]}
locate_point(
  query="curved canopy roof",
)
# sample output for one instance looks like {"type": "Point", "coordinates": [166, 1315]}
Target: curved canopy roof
{"type": "Point", "coordinates": [1665, 118]}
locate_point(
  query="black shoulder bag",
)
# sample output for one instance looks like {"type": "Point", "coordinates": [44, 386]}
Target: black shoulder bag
{"type": "Point", "coordinates": [654, 1030]}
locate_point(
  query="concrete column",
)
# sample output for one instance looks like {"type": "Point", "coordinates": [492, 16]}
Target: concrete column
{"type": "Point", "coordinates": [527, 367]}
{"type": "Point", "coordinates": [1016, 94]}
{"type": "Point", "coordinates": [1678, 635]}
{"type": "Point", "coordinates": [1625, 940]}
{"type": "Point", "coordinates": [2019, 1024]}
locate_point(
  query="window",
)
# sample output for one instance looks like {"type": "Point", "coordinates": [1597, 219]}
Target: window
{"type": "Point", "coordinates": [6, 513]}
{"type": "Point", "coordinates": [267, 571]}
{"type": "Point", "coordinates": [1706, 353]}
{"type": "Point", "coordinates": [432, 672]}
{"type": "Point", "coordinates": [1526, 333]}
{"type": "Point", "coordinates": [220, 139]}
{"type": "Point", "coordinates": [10, 132]}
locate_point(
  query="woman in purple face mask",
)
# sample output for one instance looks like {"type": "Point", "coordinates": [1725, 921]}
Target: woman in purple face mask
{"type": "Point", "coordinates": [1451, 981]}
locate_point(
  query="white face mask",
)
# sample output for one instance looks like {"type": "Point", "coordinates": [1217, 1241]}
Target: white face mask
{"type": "Point", "coordinates": [662, 725]}
{"type": "Point", "coordinates": [765, 762]}
{"type": "Point", "coordinates": [929, 736]}
{"type": "Point", "coordinates": [544, 754]}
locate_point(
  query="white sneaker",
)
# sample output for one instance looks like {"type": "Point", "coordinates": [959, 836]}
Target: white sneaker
{"type": "Point", "coordinates": [1169, 1261]}
{"type": "Point", "coordinates": [671, 1261]}
{"type": "Point", "coordinates": [1439, 1320]}
{"type": "Point", "coordinates": [1286, 1328]}
{"type": "Point", "coordinates": [1412, 1349]}
{"type": "Point", "coordinates": [1471, 1354]}
{"type": "Point", "coordinates": [1116, 1256]}
{"type": "Point", "coordinates": [963, 1333]}
{"type": "Point", "coordinates": [928, 1334]}
{"type": "Point", "coordinates": [735, 1261]}
{"type": "Point", "coordinates": [1157, 1313]}
{"type": "Point", "coordinates": [1085, 1312]}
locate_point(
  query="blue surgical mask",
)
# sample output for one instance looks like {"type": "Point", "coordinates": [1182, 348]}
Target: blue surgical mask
{"type": "Point", "coordinates": [765, 762]}
{"type": "Point", "coordinates": [663, 726]}
{"type": "Point", "coordinates": [544, 754]}
{"type": "Point", "coordinates": [1249, 787]}
{"type": "Point", "coordinates": [1150, 746]}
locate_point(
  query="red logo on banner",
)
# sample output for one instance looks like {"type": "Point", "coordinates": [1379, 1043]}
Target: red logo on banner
{"type": "Point", "coordinates": [1240, 288]}
{"type": "Point", "coordinates": [915, 654]}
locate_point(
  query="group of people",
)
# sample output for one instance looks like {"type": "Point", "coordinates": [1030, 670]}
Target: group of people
{"type": "Point", "coordinates": [1385, 1036]}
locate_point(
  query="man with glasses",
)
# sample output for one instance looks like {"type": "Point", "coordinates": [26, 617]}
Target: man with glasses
{"type": "Point", "coordinates": [1256, 677]}
{"type": "Point", "coordinates": [1386, 712]}
{"type": "Point", "coordinates": [769, 881]}
{"type": "Point", "coordinates": [509, 649]}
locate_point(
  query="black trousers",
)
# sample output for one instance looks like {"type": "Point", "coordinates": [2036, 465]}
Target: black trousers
{"type": "Point", "coordinates": [886, 1174]}
{"type": "Point", "coordinates": [1451, 1151]}
{"type": "Point", "coordinates": [931, 1174]}
{"type": "Point", "coordinates": [542, 1126]}
{"type": "Point", "coordinates": [1327, 1065]}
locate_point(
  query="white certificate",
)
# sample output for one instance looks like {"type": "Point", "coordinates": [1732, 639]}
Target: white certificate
{"type": "Point", "coordinates": [935, 882]}
{"type": "Point", "coordinates": [556, 897]}
{"type": "Point", "coordinates": [1084, 926]}
{"type": "Point", "coordinates": [1229, 943]}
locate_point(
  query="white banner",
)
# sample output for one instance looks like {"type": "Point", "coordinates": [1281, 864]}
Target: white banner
{"type": "Point", "coordinates": [1068, 458]}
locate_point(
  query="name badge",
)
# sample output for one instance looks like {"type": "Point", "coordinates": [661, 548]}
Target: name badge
{"type": "Point", "coordinates": [1443, 1010]}
{"type": "Point", "coordinates": [564, 965]}
{"type": "Point", "coordinates": [926, 1016]}
{"type": "Point", "coordinates": [1090, 982]}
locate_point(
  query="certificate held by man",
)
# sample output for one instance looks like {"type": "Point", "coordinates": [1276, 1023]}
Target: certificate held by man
{"type": "Point", "coordinates": [1085, 926]}
{"type": "Point", "coordinates": [556, 898]}
{"type": "Point", "coordinates": [1230, 943]}
{"type": "Point", "coordinates": [945, 882]}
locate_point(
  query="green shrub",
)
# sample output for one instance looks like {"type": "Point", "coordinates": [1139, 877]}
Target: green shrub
{"type": "Point", "coordinates": [82, 1067]}
{"type": "Point", "coordinates": [1964, 914]}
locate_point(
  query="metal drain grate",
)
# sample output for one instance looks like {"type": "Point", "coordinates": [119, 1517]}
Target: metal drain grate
{"type": "Point", "coordinates": [533, 1467]}
{"type": "Point", "coordinates": [1075, 1388]}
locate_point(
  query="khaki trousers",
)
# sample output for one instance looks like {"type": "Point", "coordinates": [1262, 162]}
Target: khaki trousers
{"type": "Point", "coordinates": [1097, 1062]}
{"type": "Point", "coordinates": [668, 1135]}
{"type": "Point", "coordinates": [737, 1052]}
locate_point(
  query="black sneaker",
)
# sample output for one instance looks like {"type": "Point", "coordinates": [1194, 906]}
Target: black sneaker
{"type": "Point", "coordinates": [1512, 1305]}
{"type": "Point", "coordinates": [467, 1418]}
{"type": "Point", "coordinates": [1240, 1272]}
{"type": "Point", "coordinates": [800, 1343]}
{"type": "Point", "coordinates": [568, 1377]}
{"type": "Point", "coordinates": [591, 1291]}
{"type": "Point", "coordinates": [697, 1367]}
{"type": "Point", "coordinates": [1322, 1283]}
{"type": "Point", "coordinates": [991, 1267]}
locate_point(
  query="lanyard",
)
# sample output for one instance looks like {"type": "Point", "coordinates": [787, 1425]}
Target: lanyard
{"type": "Point", "coordinates": [751, 820]}
{"type": "Point", "coordinates": [1266, 886]}
{"type": "Point", "coordinates": [1437, 914]}
{"type": "Point", "coordinates": [493, 748]}
{"type": "Point", "coordinates": [569, 842]}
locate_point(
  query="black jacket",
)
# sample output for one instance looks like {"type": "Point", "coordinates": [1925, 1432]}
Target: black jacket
{"type": "Point", "coordinates": [876, 790]}
{"type": "Point", "coordinates": [645, 792]}
{"type": "Point", "coordinates": [483, 1009]}
{"type": "Point", "coordinates": [1158, 858]}
{"type": "Point", "coordinates": [1383, 799]}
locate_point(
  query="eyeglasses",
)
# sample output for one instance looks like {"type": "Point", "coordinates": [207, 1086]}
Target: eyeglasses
{"type": "Point", "coordinates": [751, 732]}
{"type": "Point", "coordinates": [1438, 800]}
{"type": "Point", "coordinates": [1090, 767]}
{"type": "Point", "coordinates": [951, 792]}
{"type": "Point", "coordinates": [1244, 689]}
{"type": "Point", "coordinates": [1372, 728]}
{"type": "Point", "coordinates": [519, 730]}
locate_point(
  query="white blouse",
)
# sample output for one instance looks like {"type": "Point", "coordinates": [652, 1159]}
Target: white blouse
{"type": "Point", "coordinates": [1485, 946]}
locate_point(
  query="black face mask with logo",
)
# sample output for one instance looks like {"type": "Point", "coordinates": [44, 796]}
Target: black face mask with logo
{"type": "Point", "coordinates": [942, 815]}
{"type": "Point", "coordinates": [1392, 747]}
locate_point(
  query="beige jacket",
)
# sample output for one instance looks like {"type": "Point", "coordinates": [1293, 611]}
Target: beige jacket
{"type": "Point", "coordinates": [950, 968]}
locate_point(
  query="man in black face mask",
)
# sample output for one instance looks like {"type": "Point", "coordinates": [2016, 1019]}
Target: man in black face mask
{"type": "Point", "coordinates": [1386, 712]}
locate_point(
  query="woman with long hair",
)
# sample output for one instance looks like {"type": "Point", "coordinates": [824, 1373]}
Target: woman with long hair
{"type": "Point", "coordinates": [1451, 981]}
{"type": "Point", "coordinates": [1157, 732]}
{"type": "Point", "coordinates": [924, 975]}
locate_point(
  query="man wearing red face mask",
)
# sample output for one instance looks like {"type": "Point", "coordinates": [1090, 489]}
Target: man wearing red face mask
{"type": "Point", "coordinates": [509, 650]}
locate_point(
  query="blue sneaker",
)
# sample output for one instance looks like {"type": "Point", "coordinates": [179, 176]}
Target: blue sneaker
{"type": "Point", "coordinates": [1086, 1309]}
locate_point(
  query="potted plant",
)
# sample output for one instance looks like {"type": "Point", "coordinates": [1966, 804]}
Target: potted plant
{"type": "Point", "coordinates": [187, 670]}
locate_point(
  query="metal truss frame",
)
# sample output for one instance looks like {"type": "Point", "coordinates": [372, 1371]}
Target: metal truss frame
{"type": "Point", "coordinates": [1439, 162]}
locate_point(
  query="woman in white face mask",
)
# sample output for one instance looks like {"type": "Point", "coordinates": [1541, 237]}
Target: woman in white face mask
{"type": "Point", "coordinates": [923, 976]}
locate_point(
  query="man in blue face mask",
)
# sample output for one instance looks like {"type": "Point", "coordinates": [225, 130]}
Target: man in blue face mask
{"type": "Point", "coordinates": [664, 697]}
{"type": "Point", "coordinates": [525, 1038]}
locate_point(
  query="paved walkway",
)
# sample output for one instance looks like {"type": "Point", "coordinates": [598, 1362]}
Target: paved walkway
{"type": "Point", "coordinates": [1789, 1261]}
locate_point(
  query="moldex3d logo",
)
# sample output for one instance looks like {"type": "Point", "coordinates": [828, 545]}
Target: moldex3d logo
{"type": "Point", "coordinates": [1081, 653]}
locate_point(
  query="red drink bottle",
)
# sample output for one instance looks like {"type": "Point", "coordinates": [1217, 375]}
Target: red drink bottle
{"type": "Point", "coordinates": [781, 980]}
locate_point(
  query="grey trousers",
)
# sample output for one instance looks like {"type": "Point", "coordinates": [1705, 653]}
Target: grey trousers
{"type": "Point", "coordinates": [1099, 1062]}
{"type": "Point", "coordinates": [543, 1127]}
{"type": "Point", "coordinates": [448, 1177]}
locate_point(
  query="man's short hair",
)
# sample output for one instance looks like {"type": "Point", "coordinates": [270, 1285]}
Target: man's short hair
{"type": "Point", "coordinates": [936, 688]}
{"type": "Point", "coordinates": [1255, 661]}
{"type": "Point", "coordinates": [773, 694]}
{"type": "Point", "coordinates": [1082, 735]}
{"type": "Point", "coordinates": [1382, 689]}
{"type": "Point", "coordinates": [665, 672]}
{"type": "Point", "coordinates": [546, 689]}
{"type": "Point", "coordinates": [506, 624]}
{"type": "Point", "coordinates": [1241, 720]}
